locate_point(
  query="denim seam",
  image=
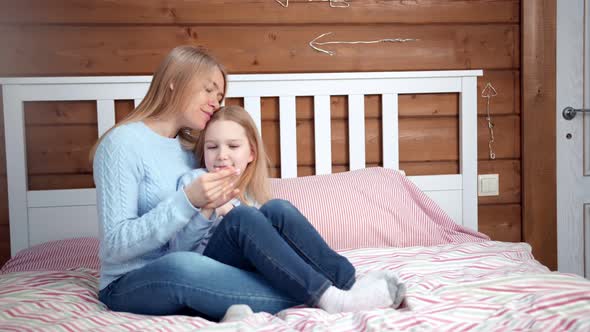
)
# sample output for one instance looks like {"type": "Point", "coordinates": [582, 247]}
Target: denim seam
{"type": "Point", "coordinates": [312, 295]}
{"type": "Point", "coordinates": [317, 295]}
{"type": "Point", "coordinates": [350, 282]}
{"type": "Point", "coordinates": [152, 283]}
{"type": "Point", "coordinates": [316, 265]}
{"type": "Point", "coordinates": [331, 277]}
{"type": "Point", "coordinates": [347, 285]}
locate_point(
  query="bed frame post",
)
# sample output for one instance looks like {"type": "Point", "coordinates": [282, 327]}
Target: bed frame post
{"type": "Point", "coordinates": [16, 167]}
{"type": "Point", "coordinates": [468, 150]}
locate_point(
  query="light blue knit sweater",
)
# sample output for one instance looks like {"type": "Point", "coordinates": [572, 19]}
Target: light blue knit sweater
{"type": "Point", "coordinates": [139, 207]}
{"type": "Point", "coordinates": [196, 234]}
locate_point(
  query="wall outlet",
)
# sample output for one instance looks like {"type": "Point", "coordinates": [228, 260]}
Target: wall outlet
{"type": "Point", "coordinates": [488, 185]}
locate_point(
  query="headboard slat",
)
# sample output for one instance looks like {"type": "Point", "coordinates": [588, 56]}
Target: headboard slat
{"type": "Point", "coordinates": [252, 105]}
{"type": "Point", "coordinates": [323, 134]}
{"type": "Point", "coordinates": [105, 116]}
{"type": "Point", "coordinates": [356, 131]}
{"type": "Point", "coordinates": [389, 123]}
{"type": "Point", "coordinates": [288, 130]}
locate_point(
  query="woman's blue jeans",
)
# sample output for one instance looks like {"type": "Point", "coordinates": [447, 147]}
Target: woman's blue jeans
{"type": "Point", "coordinates": [270, 258]}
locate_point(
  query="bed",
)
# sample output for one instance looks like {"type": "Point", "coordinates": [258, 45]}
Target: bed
{"type": "Point", "coordinates": [422, 227]}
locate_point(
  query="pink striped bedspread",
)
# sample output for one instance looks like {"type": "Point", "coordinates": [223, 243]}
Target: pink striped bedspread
{"type": "Point", "coordinates": [485, 286]}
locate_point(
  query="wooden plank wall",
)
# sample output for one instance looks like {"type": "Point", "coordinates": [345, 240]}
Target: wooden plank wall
{"type": "Point", "coordinates": [539, 125]}
{"type": "Point", "coordinates": [94, 37]}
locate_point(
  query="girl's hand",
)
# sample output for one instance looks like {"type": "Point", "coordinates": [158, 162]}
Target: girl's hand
{"type": "Point", "coordinates": [207, 213]}
{"type": "Point", "coordinates": [224, 209]}
{"type": "Point", "coordinates": [212, 190]}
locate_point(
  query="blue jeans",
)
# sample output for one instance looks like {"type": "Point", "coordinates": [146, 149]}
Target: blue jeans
{"type": "Point", "coordinates": [270, 259]}
{"type": "Point", "coordinates": [280, 243]}
{"type": "Point", "coordinates": [192, 284]}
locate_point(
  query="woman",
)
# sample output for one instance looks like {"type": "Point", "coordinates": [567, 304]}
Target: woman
{"type": "Point", "coordinates": [136, 168]}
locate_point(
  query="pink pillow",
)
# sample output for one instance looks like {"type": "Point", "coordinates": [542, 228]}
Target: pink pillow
{"type": "Point", "coordinates": [371, 207]}
{"type": "Point", "coordinates": [56, 255]}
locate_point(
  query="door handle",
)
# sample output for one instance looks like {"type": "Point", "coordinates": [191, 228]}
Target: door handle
{"type": "Point", "coordinates": [570, 112]}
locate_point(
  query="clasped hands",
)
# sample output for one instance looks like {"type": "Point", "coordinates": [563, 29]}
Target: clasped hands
{"type": "Point", "coordinates": [213, 191]}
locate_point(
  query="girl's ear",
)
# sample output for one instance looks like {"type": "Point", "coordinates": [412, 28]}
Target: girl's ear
{"type": "Point", "coordinates": [171, 86]}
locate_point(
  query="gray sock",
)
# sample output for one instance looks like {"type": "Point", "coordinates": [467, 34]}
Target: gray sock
{"type": "Point", "coordinates": [397, 290]}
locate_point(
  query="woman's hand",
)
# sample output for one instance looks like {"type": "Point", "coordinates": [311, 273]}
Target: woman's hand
{"type": "Point", "coordinates": [214, 189]}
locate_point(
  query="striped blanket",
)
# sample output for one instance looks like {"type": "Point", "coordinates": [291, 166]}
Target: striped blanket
{"type": "Point", "coordinates": [485, 286]}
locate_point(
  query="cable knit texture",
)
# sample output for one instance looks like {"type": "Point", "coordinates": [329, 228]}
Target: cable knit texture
{"type": "Point", "coordinates": [199, 229]}
{"type": "Point", "coordinates": [139, 207]}
{"type": "Point", "coordinates": [196, 234]}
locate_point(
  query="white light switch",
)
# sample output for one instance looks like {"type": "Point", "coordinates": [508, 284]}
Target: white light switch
{"type": "Point", "coordinates": [488, 185]}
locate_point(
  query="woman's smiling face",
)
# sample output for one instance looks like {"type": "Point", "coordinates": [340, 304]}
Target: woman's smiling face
{"type": "Point", "coordinates": [203, 100]}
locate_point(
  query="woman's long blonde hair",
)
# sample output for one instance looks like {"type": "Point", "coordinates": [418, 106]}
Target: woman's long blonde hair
{"type": "Point", "coordinates": [253, 183]}
{"type": "Point", "coordinates": [179, 69]}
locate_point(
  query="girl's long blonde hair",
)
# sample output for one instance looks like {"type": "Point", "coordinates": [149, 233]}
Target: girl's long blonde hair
{"type": "Point", "coordinates": [180, 68]}
{"type": "Point", "coordinates": [253, 183]}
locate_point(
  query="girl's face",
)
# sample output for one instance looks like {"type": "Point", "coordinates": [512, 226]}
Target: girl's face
{"type": "Point", "coordinates": [203, 99]}
{"type": "Point", "coordinates": [226, 144]}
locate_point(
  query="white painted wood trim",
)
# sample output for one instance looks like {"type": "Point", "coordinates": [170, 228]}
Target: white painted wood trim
{"type": "Point", "coordinates": [137, 101]}
{"type": "Point", "coordinates": [438, 182]}
{"type": "Point", "coordinates": [356, 75]}
{"type": "Point", "coordinates": [356, 131]}
{"type": "Point", "coordinates": [64, 92]}
{"type": "Point", "coordinates": [62, 197]}
{"type": "Point", "coordinates": [247, 78]}
{"type": "Point", "coordinates": [323, 135]}
{"type": "Point", "coordinates": [343, 87]}
{"type": "Point", "coordinates": [468, 149]}
{"type": "Point", "coordinates": [390, 125]}
{"type": "Point", "coordinates": [75, 80]}
{"type": "Point", "coordinates": [252, 106]}
{"type": "Point", "coordinates": [105, 116]}
{"type": "Point", "coordinates": [56, 223]}
{"type": "Point", "coordinates": [288, 130]}
{"type": "Point", "coordinates": [16, 167]}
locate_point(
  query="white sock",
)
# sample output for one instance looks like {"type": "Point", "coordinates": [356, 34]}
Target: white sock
{"type": "Point", "coordinates": [364, 296]}
{"type": "Point", "coordinates": [236, 312]}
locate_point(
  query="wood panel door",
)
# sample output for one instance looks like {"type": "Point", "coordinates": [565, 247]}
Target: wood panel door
{"type": "Point", "coordinates": [573, 137]}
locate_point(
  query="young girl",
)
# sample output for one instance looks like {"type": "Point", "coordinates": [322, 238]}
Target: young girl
{"type": "Point", "coordinates": [272, 237]}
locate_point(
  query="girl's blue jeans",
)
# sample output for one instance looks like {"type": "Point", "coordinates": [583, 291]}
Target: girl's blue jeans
{"type": "Point", "coordinates": [270, 258]}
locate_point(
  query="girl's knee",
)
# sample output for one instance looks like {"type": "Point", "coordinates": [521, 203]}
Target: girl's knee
{"type": "Point", "coordinates": [241, 211]}
{"type": "Point", "coordinates": [242, 214]}
{"type": "Point", "coordinates": [277, 206]}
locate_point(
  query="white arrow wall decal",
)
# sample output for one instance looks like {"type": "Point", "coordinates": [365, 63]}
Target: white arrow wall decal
{"type": "Point", "coordinates": [314, 43]}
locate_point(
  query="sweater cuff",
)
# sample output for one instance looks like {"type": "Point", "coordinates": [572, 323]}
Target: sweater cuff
{"type": "Point", "coordinates": [185, 207]}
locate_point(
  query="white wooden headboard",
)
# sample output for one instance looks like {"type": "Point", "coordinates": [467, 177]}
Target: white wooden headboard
{"type": "Point", "coordinates": [38, 216]}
